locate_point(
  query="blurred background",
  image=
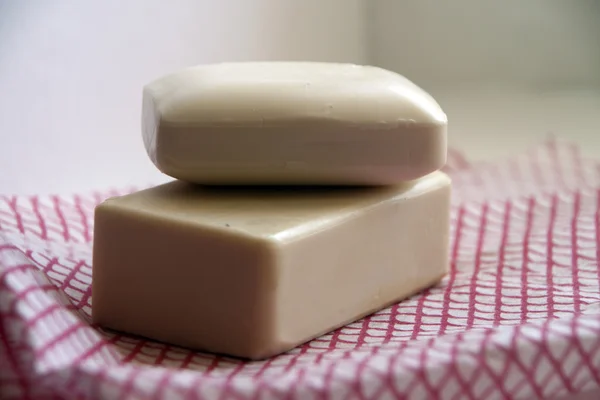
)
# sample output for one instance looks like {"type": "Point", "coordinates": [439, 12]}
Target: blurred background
{"type": "Point", "coordinates": [508, 73]}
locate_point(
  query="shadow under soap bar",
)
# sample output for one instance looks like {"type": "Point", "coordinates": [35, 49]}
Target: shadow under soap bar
{"type": "Point", "coordinates": [253, 272]}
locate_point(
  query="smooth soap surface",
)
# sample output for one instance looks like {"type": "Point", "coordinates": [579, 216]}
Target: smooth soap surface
{"type": "Point", "coordinates": [292, 123]}
{"type": "Point", "coordinates": [253, 272]}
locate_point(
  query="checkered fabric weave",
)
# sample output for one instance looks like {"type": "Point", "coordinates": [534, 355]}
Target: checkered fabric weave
{"type": "Point", "coordinates": [517, 317]}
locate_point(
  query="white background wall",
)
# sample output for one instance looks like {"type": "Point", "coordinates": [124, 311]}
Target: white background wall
{"type": "Point", "coordinates": [535, 43]}
{"type": "Point", "coordinates": [71, 72]}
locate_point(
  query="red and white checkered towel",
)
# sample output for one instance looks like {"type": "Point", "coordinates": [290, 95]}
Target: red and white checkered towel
{"type": "Point", "coordinates": [517, 317]}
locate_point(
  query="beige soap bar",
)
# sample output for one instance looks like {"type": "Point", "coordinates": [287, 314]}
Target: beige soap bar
{"type": "Point", "coordinates": [252, 272]}
{"type": "Point", "coordinates": [292, 123]}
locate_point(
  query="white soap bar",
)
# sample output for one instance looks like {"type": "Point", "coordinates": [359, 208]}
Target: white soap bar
{"type": "Point", "coordinates": [253, 272]}
{"type": "Point", "coordinates": [292, 123]}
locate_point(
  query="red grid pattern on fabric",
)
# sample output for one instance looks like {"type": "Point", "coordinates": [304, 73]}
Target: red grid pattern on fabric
{"type": "Point", "coordinates": [518, 315]}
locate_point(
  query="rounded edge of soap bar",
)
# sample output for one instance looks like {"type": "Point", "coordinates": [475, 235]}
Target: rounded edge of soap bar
{"type": "Point", "coordinates": [292, 123]}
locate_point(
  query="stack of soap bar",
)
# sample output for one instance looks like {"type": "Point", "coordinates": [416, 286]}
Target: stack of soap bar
{"type": "Point", "coordinates": [306, 197]}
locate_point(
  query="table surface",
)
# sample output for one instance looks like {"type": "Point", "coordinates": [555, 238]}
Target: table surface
{"type": "Point", "coordinates": [492, 123]}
